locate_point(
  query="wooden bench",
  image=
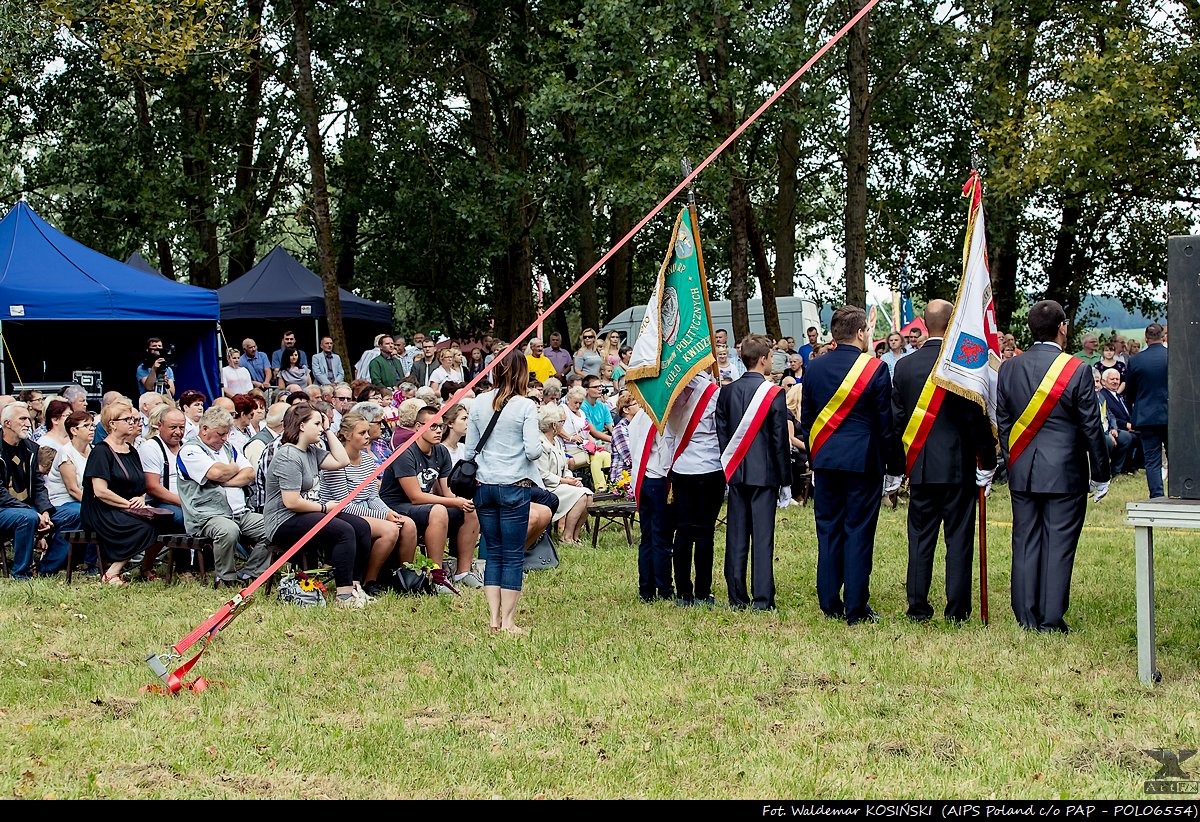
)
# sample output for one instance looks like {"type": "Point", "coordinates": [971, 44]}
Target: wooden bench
{"type": "Point", "coordinates": [83, 538]}
{"type": "Point", "coordinates": [186, 542]}
{"type": "Point", "coordinates": [609, 510]}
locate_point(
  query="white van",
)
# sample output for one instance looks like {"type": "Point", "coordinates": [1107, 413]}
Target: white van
{"type": "Point", "coordinates": [796, 315]}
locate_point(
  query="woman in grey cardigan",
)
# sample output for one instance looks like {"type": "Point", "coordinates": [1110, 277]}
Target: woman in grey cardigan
{"type": "Point", "coordinates": [507, 469]}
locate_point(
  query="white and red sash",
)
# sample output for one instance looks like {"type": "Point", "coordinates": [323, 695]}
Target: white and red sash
{"type": "Point", "coordinates": [747, 429]}
{"type": "Point", "coordinates": [642, 434]}
{"type": "Point", "coordinates": [693, 412]}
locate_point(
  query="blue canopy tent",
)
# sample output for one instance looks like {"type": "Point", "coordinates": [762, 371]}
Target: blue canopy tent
{"type": "Point", "coordinates": [280, 288]}
{"type": "Point", "coordinates": [47, 276]}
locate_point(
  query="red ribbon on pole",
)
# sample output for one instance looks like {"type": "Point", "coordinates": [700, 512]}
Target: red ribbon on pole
{"type": "Point", "coordinates": [218, 621]}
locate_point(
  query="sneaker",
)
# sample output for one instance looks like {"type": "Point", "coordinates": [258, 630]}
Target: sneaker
{"type": "Point", "coordinates": [361, 594]}
{"type": "Point", "coordinates": [478, 566]}
{"type": "Point", "coordinates": [374, 590]}
{"type": "Point", "coordinates": [350, 601]}
{"type": "Point", "coordinates": [468, 580]}
{"type": "Point", "coordinates": [441, 585]}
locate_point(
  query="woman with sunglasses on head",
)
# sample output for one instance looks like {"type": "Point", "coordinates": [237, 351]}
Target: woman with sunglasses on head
{"type": "Point", "coordinates": [588, 358]}
{"type": "Point", "coordinates": [113, 485]}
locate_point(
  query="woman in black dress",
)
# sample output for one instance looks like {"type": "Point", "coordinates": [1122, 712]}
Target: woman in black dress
{"type": "Point", "coordinates": [113, 485]}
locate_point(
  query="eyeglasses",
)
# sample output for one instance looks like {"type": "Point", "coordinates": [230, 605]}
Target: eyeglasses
{"type": "Point", "coordinates": [344, 399]}
{"type": "Point", "coordinates": [129, 420]}
{"type": "Point", "coordinates": [589, 337]}
{"type": "Point", "coordinates": [436, 426]}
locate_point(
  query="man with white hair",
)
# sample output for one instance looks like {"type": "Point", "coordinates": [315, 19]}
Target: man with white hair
{"type": "Point", "coordinates": [212, 477]}
{"type": "Point", "coordinates": [25, 509]}
{"type": "Point", "coordinates": [362, 369]}
{"type": "Point", "coordinates": [148, 403]}
{"type": "Point", "coordinates": [1115, 413]}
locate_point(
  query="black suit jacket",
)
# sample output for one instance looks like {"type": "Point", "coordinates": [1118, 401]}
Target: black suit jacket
{"type": "Point", "coordinates": [1146, 386]}
{"type": "Point", "coordinates": [865, 441]}
{"type": "Point", "coordinates": [766, 463]}
{"type": "Point", "coordinates": [1056, 461]}
{"type": "Point", "coordinates": [1116, 408]}
{"type": "Point", "coordinates": [961, 438]}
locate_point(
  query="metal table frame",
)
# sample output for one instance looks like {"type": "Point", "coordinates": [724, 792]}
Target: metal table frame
{"type": "Point", "coordinates": [1144, 516]}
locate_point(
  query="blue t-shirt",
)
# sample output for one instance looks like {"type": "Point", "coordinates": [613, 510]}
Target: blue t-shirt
{"type": "Point", "coordinates": [143, 372]}
{"type": "Point", "coordinates": [598, 415]}
{"type": "Point", "coordinates": [805, 352]}
{"type": "Point", "coordinates": [257, 366]}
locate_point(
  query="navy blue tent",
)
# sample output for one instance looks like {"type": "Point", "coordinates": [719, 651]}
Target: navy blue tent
{"type": "Point", "coordinates": [139, 262]}
{"type": "Point", "coordinates": [281, 288]}
{"type": "Point", "coordinates": [47, 276]}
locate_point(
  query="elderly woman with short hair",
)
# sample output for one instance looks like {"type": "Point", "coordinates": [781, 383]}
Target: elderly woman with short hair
{"type": "Point", "coordinates": [555, 471]}
{"type": "Point", "coordinates": [113, 486]}
{"type": "Point", "coordinates": [577, 435]}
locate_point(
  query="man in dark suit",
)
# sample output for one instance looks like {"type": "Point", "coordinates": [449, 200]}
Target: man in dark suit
{"type": "Point", "coordinates": [1048, 465]}
{"type": "Point", "coordinates": [756, 463]}
{"type": "Point", "coordinates": [957, 456]}
{"type": "Point", "coordinates": [846, 419]}
{"type": "Point", "coordinates": [1121, 438]}
{"type": "Point", "coordinates": [1146, 389]}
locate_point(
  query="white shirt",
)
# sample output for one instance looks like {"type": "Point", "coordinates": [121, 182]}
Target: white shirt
{"type": "Point", "coordinates": [576, 422]}
{"type": "Point", "coordinates": [151, 453]}
{"type": "Point", "coordinates": [55, 487]}
{"type": "Point", "coordinates": [441, 375]}
{"type": "Point", "coordinates": [236, 380]}
{"type": "Point", "coordinates": [197, 459]}
{"type": "Point", "coordinates": [703, 452]}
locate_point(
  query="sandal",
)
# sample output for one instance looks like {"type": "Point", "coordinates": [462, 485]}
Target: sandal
{"type": "Point", "coordinates": [114, 579]}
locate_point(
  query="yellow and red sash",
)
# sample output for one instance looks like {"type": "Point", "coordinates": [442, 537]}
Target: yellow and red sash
{"type": "Point", "coordinates": [842, 402]}
{"type": "Point", "coordinates": [916, 433]}
{"type": "Point", "coordinates": [1040, 405]}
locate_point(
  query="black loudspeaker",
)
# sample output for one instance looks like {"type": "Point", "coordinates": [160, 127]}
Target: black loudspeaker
{"type": "Point", "coordinates": [1183, 367]}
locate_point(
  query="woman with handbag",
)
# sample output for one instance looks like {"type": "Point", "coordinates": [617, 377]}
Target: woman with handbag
{"type": "Point", "coordinates": [506, 470]}
{"type": "Point", "coordinates": [114, 495]}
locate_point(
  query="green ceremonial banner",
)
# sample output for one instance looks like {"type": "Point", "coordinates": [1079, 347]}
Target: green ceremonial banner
{"type": "Point", "coordinates": [675, 339]}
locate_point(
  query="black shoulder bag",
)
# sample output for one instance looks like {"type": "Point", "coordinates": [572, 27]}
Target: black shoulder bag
{"type": "Point", "coordinates": [462, 476]}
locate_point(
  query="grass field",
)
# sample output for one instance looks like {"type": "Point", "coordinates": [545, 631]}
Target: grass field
{"type": "Point", "coordinates": [609, 697]}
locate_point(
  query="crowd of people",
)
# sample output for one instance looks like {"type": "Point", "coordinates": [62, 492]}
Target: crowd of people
{"type": "Point", "coordinates": [292, 436]}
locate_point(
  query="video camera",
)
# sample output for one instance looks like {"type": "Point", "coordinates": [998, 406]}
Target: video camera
{"type": "Point", "coordinates": [167, 355]}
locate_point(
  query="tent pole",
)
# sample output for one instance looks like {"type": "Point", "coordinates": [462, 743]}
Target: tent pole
{"type": "Point", "coordinates": [3, 380]}
{"type": "Point", "coordinates": [317, 334]}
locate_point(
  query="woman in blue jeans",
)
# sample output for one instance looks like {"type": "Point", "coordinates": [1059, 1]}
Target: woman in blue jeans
{"type": "Point", "coordinates": [507, 470]}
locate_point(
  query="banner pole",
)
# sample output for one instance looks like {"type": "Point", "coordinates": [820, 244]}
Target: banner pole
{"type": "Point", "coordinates": [983, 591]}
{"type": "Point", "coordinates": [686, 163]}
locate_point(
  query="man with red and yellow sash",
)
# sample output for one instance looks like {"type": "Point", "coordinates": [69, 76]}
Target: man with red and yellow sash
{"type": "Point", "coordinates": [1050, 429]}
{"type": "Point", "coordinates": [846, 419]}
{"type": "Point", "coordinates": [948, 449]}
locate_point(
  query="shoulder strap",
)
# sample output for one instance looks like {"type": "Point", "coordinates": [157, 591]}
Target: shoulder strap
{"type": "Point", "coordinates": [488, 431]}
{"type": "Point", "coordinates": [166, 477]}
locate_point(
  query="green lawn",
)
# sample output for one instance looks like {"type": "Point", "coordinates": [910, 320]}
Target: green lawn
{"type": "Point", "coordinates": [609, 697]}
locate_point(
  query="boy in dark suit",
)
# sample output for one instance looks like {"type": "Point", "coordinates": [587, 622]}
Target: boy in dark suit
{"type": "Point", "coordinates": [1049, 421]}
{"type": "Point", "coordinates": [846, 419]}
{"type": "Point", "coordinates": [944, 468]}
{"type": "Point", "coordinates": [1146, 391]}
{"type": "Point", "coordinates": [752, 433]}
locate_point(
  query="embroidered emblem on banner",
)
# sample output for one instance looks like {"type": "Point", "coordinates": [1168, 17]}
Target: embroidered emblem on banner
{"type": "Point", "coordinates": [970, 352]}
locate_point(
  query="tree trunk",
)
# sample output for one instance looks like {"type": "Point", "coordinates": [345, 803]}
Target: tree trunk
{"type": "Point", "coordinates": [620, 265]}
{"type": "Point", "coordinates": [785, 211]}
{"type": "Point", "coordinates": [243, 231]}
{"type": "Point", "coordinates": [766, 283]}
{"type": "Point", "coordinates": [1063, 283]}
{"type": "Point", "coordinates": [858, 138]}
{"type": "Point", "coordinates": [585, 256]}
{"type": "Point", "coordinates": [356, 169]}
{"type": "Point", "coordinates": [322, 223]}
{"type": "Point", "coordinates": [204, 263]}
{"type": "Point", "coordinates": [145, 142]}
{"type": "Point", "coordinates": [738, 246]}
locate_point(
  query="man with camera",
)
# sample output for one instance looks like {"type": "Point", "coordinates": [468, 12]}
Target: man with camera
{"type": "Point", "coordinates": [596, 409]}
{"type": "Point", "coordinates": [155, 373]}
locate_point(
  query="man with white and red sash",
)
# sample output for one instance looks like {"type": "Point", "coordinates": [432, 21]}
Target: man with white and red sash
{"type": "Point", "coordinates": [698, 486]}
{"type": "Point", "coordinates": [753, 435]}
{"type": "Point", "coordinates": [846, 419]}
{"type": "Point", "coordinates": [1050, 429]}
{"type": "Point", "coordinates": [949, 450]}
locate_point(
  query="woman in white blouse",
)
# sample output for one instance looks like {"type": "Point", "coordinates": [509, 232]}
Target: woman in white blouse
{"type": "Point", "coordinates": [63, 483]}
{"type": "Point", "coordinates": [235, 377]}
{"type": "Point", "coordinates": [556, 475]}
{"type": "Point", "coordinates": [448, 370]}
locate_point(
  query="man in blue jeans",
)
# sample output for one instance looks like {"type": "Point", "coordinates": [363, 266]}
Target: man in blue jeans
{"type": "Point", "coordinates": [24, 504]}
{"type": "Point", "coordinates": [1146, 391]}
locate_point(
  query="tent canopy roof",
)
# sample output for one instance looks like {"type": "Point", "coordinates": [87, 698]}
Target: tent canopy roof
{"type": "Point", "coordinates": [45, 275]}
{"type": "Point", "coordinates": [280, 287]}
